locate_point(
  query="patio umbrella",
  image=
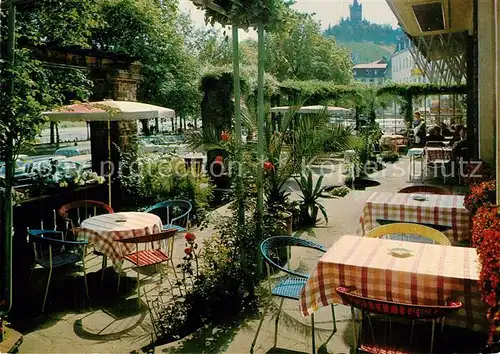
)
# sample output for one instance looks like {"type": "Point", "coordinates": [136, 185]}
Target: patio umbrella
{"type": "Point", "coordinates": [108, 110]}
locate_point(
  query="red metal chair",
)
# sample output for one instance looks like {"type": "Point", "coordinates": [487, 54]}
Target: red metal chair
{"type": "Point", "coordinates": [75, 212]}
{"type": "Point", "coordinates": [425, 189]}
{"type": "Point", "coordinates": [150, 256]}
{"type": "Point", "coordinates": [390, 308]}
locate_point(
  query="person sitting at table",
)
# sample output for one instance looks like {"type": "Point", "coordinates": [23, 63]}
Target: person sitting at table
{"type": "Point", "coordinates": [435, 134]}
{"type": "Point", "coordinates": [445, 131]}
{"type": "Point", "coordinates": [456, 134]}
{"type": "Point", "coordinates": [457, 146]}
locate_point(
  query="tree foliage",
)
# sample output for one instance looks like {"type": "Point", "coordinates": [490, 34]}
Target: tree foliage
{"type": "Point", "coordinates": [147, 30]}
{"type": "Point", "coordinates": [363, 31]}
{"type": "Point", "coordinates": [247, 13]}
{"type": "Point", "coordinates": [38, 88]}
{"type": "Point", "coordinates": [297, 50]}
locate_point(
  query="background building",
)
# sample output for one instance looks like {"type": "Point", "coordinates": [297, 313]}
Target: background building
{"type": "Point", "coordinates": [404, 70]}
{"type": "Point", "coordinates": [372, 73]}
{"type": "Point", "coordinates": [356, 10]}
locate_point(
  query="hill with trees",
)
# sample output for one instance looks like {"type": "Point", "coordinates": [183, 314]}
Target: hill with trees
{"type": "Point", "coordinates": [367, 41]}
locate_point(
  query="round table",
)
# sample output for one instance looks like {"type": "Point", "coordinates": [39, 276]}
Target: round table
{"type": "Point", "coordinates": [104, 231]}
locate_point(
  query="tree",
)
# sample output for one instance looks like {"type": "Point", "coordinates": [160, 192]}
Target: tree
{"type": "Point", "coordinates": [38, 88]}
{"type": "Point", "coordinates": [297, 50]}
{"type": "Point", "coordinates": [148, 31]}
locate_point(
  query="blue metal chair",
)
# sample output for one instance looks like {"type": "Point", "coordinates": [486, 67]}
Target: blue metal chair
{"type": "Point", "coordinates": [173, 213]}
{"type": "Point", "coordinates": [288, 287]}
{"type": "Point", "coordinates": [52, 251]}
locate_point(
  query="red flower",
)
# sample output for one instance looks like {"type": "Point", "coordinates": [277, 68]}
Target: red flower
{"type": "Point", "coordinates": [268, 166]}
{"type": "Point", "coordinates": [188, 250]}
{"type": "Point", "coordinates": [219, 159]}
{"type": "Point", "coordinates": [190, 237]}
{"type": "Point", "coordinates": [224, 136]}
{"type": "Point", "coordinates": [483, 193]}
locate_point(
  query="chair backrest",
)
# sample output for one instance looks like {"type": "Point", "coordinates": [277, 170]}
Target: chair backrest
{"type": "Point", "coordinates": [167, 246]}
{"type": "Point", "coordinates": [76, 212]}
{"type": "Point", "coordinates": [424, 189]}
{"type": "Point", "coordinates": [165, 234]}
{"type": "Point", "coordinates": [410, 229]}
{"type": "Point", "coordinates": [173, 212]}
{"type": "Point", "coordinates": [435, 144]}
{"type": "Point", "coordinates": [272, 244]}
{"type": "Point", "coordinates": [50, 243]}
{"type": "Point", "coordinates": [388, 308]}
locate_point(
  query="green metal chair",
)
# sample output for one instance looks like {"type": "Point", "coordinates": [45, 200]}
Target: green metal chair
{"type": "Point", "coordinates": [173, 213]}
{"type": "Point", "coordinates": [291, 285]}
{"type": "Point", "coordinates": [52, 251]}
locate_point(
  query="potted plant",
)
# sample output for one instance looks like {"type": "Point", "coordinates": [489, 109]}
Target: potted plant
{"type": "Point", "coordinates": [309, 206]}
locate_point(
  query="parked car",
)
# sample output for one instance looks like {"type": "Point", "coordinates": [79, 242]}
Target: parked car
{"type": "Point", "coordinates": [71, 151]}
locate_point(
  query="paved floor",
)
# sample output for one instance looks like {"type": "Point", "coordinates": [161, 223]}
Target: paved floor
{"type": "Point", "coordinates": [118, 325]}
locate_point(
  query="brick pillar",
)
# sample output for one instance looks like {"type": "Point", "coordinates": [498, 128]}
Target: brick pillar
{"type": "Point", "coordinates": [120, 85]}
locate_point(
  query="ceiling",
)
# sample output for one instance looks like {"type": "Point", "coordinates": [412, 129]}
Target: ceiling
{"type": "Point", "coordinates": [427, 17]}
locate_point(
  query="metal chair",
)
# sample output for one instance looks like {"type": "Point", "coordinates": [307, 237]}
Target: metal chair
{"type": "Point", "coordinates": [173, 213]}
{"type": "Point", "coordinates": [52, 251]}
{"type": "Point", "coordinates": [410, 229]}
{"type": "Point", "coordinates": [150, 256]}
{"type": "Point", "coordinates": [288, 287]}
{"type": "Point", "coordinates": [425, 189]}
{"type": "Point", "coordinates": [75, 212]}
{"type": "Point", "coordinates": [414, 312]}
{"type": "Point", "coordinates": [439, 165]}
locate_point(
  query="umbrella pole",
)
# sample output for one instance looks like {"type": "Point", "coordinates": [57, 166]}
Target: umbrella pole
{"type": "Point", "coordinates": [109, 161]}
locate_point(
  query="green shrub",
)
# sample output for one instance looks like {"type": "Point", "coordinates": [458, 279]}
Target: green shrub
{"type": "Point", "coordinates": [156, 178]}
{"type": "Point", "coordinates": [390, 156]}
{"type": "Point", "coordinates": [341, 191]}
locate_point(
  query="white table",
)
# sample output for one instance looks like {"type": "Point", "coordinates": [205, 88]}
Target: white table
{"type": "Point", "coordinates": [413, 154]}
{"type": "Point", "coordinates": [104, 231]}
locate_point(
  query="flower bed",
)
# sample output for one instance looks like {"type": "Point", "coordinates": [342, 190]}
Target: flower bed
{"type": "Point", "coordinates": [481, 202]}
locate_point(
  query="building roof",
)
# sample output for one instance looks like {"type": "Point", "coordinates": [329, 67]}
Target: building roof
{"type": "Point", "coordinates": [379, 64]}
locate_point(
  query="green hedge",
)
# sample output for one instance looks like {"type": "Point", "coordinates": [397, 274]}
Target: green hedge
{"type": "Point", "coordinates": [421, 90]}
{"type": "Point", "coordinates": [248, 80]}
{"type": "Point", "coordinates": [317, 92]}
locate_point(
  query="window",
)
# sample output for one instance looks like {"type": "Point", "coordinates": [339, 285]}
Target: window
{"type": "Point", "coordinates": [367, 72]}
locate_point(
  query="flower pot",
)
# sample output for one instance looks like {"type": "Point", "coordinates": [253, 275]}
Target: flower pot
{"type": "Point", "coordinates": [308, 215]}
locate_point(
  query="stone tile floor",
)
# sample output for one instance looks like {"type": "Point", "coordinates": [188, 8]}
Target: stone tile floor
{"type": "Point", "coordinates": [115, 322]}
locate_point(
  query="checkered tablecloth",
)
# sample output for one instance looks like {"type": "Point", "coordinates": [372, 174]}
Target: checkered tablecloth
{"type": "Point", "coordinates": [442, 210]}
{"type": "Point", "coordinates": [437, 153]}
{"type": "Point", "coordinates": [104, 231]}
{"type": "Point", "coordinates": [430, 276]}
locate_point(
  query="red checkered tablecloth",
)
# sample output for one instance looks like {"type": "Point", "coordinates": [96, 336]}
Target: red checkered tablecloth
{"type": "Point", "coordinates": [104, 231]}
{"type": "Point", "coordinates": [437, 153]}
{"type": "Point", "coordinates": [430, 276]}
{"type": "Point", "coordinates": [442, 210]}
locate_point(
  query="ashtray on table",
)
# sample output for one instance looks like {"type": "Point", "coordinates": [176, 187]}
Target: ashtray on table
{"type": "Point", "coordinates": [420, 198]}
{"type": "Point", "coordinates": [400, 252]}
{"type": "Point", "coordinates": [121, 219]}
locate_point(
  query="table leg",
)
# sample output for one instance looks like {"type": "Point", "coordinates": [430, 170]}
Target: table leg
{"type": "Point", "coordinates": [412, 167]}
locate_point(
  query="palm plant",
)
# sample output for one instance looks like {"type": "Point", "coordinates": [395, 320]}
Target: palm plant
{"type": "Point", "coordinates": [309, 205]}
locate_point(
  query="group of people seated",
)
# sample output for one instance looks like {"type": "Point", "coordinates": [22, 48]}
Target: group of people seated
{"type": "Point", "coordinates": [456, 135]}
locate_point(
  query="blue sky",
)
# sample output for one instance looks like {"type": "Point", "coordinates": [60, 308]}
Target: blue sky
{"type": "Point", "coordinates": [326, 11]}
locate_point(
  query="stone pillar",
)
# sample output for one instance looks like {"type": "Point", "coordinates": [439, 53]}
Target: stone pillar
{"type": "Point", "coordinates": [487, 93]}
{"type": "Point", "coordinates": [120, 85]}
